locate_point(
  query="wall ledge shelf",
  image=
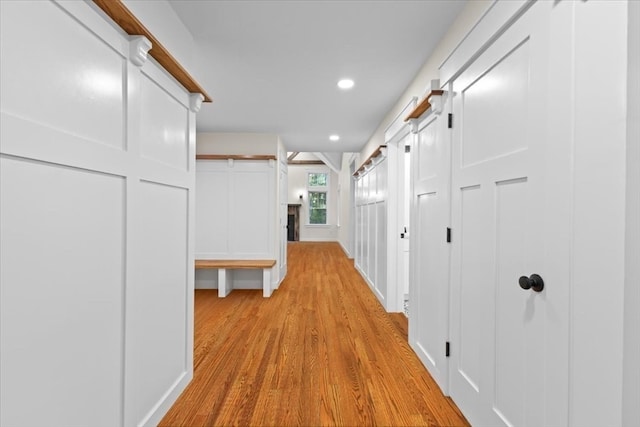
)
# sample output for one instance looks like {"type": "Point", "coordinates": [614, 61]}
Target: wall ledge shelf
{"type": "Point", "coordinates": [235, 157]}
{"type": "Point", "coordinates": [423, 106]}
{"type": "Point", "coordinates": [378, 151]}
{"type": "Point", "coordinates": [125, 19]}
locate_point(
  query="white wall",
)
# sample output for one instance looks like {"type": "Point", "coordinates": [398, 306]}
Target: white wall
{"type": "Point", "coordinates": [160, 19]}
{"type": "Point", "coordinates": [96, 224]}
{"type": "Point", "coordinates": [421, 85]}
{"type": "Point", "coordinates": [345, 235]}
{"type": "Point", "coordinates": [631, 373]}
{"type": "Point", "coordinates": [236, 143]}
{"type": "Point", "coordinates": [297, 186]}
{"type": "Point", "coordinates": [282, 216]}
{"type": "Point", "coordinates": [331, 159]}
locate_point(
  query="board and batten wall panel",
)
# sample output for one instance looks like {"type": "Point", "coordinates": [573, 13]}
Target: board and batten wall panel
{"type": "Point", "coordinates": [96, 218]}
{"type": "Point", "coordinates": [211, 238]}
{"type": "Point", "coordinates": [371, 227]}
{"type": "Point", "coordinates": [157, 328]}
{"type": "Point", "coordinates": [252, 199]}
{"type": "Point", "coordinates": [159, 334]}
{"type": "Point", "coordinates": [61, 322]}
{"type": "Point", "coordinates": [235, 209]}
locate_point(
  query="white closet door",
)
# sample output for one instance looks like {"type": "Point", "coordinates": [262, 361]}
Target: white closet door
{"type": "Point", "coordinates": [429, 285]}
{"type": "Point", "coordinates": [500, 180]}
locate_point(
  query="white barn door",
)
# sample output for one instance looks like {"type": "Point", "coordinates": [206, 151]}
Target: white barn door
{"type": "Point", "coordinates": [500, 331]}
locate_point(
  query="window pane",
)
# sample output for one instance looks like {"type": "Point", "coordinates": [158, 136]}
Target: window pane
{"type": "Point", "coordinates": [317, 180]}
{"type": "Point", "coordinates": [318, 199]}
{"type": "Point", "coordinates": [318, 216]}
{"type": "Point", "coordinates": [317, 207]}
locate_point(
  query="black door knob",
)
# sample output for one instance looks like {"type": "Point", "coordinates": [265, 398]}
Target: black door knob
{"type": "Point", "coordinates": [534, 282]}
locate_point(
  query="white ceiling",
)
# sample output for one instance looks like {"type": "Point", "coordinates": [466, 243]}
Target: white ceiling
{"type": "Point", "coordinates": [272, 66]}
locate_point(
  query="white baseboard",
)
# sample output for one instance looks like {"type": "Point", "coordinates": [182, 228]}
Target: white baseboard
{"type": "Point", "coordinates": [318, 239]}
{"type": "Point", "coordinates": [345, 250]}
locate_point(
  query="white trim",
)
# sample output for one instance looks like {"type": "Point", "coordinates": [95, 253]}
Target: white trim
{"type": "Point", "coordinates": [631, 354]}
{"type": "Point", "coordinates": [318, 239]}
{"type": "Point", "coordinates": [195, 103]}
{"type": "Point", "coordinates": [139, 47]}
{"type": "Point", "coordinates": [398, 123]}
{"type": "Point", "coordinates": [327, 162]}
{"type": "Point", "coordinates": [499, 16]}
{"type": "Point", "coordinates": [346, 252]}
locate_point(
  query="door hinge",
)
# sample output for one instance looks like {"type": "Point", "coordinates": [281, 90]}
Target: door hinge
{"type": "Point", "coordinates": [407, 148]}
{"type": "Point", "coordinates": [447, 349]}
{"type": "Point", "coordinates": [448, 235]}
{"type": "Point", "coordinates": [450, 122]}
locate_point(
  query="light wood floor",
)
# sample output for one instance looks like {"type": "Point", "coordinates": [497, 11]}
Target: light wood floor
{"type": "Point", "coordinates": [320, 351]}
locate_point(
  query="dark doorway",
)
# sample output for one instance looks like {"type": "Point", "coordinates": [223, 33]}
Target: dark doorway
{"type": "Point", "coordinates": [293, 223]}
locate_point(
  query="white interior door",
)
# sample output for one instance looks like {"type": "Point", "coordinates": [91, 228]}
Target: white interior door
{"type": "Point", "coordinates": [499, 184]}
{"type": "Point", "coordinates": [429, 286]}
{"type": "Point", "coordinates": [403, 218]}
{"type": "Point", "coordinates": [406, 205]}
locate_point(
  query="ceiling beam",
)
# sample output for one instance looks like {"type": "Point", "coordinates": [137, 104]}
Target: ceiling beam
{"type": "Point", "coordinates": [305, 162]}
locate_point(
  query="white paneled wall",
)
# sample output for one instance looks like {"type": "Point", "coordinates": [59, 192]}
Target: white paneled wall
{"type": "Point", "coordinates": [236, 212]}
{"type": "Point", "coordinates": [283, 211]}
{"type": "Point", "coordinates": [96, 219]}
{"type": "Point", "coordinates": [504, 343]}
{"type": "Point", "coordinates": [371, 227]}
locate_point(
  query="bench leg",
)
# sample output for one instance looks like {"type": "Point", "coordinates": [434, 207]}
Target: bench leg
{"type": "Point", "coordinates": [224, 283]}
{"type": "Point", "coordinates": [266, 282]}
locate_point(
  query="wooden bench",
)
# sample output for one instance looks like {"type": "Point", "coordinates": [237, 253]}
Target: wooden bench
{"type": "Point", "coordinates": [225, 284]}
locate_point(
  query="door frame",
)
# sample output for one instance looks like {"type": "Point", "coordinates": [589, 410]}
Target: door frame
{"type": "Point", "coordinates": [395, 135]}
{"type": "Point", "coordinates": [435, 359]}
{"type": "Point", "coordinates": [351, 244]}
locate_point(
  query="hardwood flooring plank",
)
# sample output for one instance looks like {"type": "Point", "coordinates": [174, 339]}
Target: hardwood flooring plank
{"type": "Point", "coordinates": [320, 352]}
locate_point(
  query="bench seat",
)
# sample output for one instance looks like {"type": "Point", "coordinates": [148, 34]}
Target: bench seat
{"type": "Point", "coordinates": [224, 279]}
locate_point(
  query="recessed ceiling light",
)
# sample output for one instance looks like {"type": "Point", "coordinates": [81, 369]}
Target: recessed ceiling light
{"type": "Point", "coordinates": [334, 137]}
{"type": "Point", "coordinates": [345, 84]}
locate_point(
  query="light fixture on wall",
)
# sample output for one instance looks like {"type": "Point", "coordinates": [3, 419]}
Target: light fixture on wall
{"type": "Point", "coordinates": [300, 196]}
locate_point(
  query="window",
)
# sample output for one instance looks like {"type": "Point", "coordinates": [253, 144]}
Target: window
{"type": "Point", "coordinates": [318, 186]}
{"type": "Point", "coordinates": [318, 180]}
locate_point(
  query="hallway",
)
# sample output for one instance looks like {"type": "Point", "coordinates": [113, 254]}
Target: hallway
{"type": "Point", "coordinates": [320, 351]}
